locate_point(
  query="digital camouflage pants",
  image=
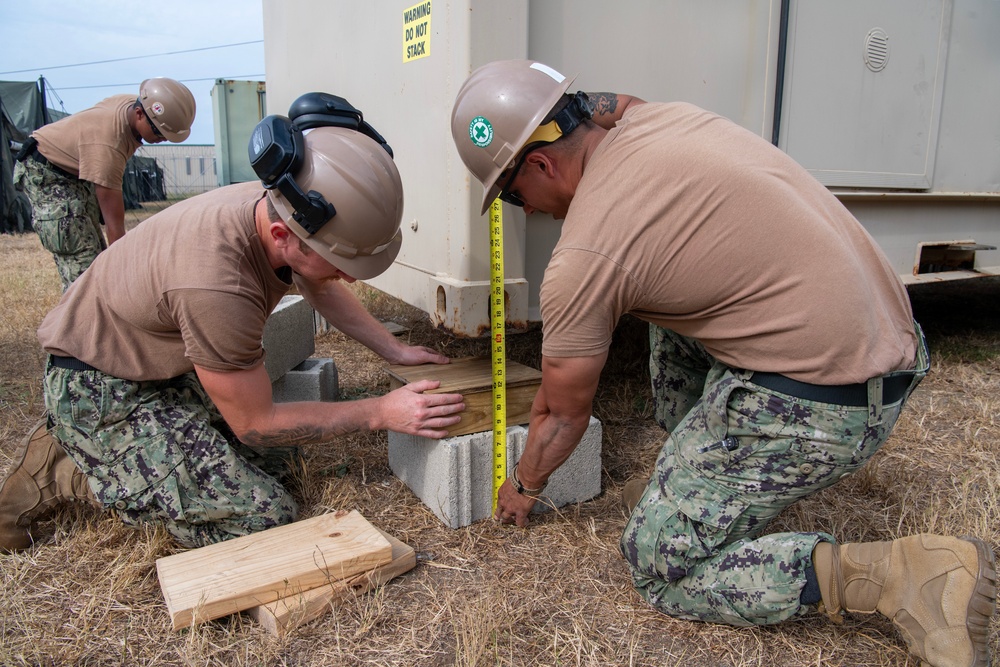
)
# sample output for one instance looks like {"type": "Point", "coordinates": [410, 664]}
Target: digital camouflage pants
{"type": "Point", "coordinates": [160, 452]}
{"type": "Point", "coordinates": [736, 456]}
{"type": "Point", "coordinates": [66, 216]}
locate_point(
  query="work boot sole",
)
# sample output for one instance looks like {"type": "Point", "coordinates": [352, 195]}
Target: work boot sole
{"type": "Point", "coordinates": [982, 603]}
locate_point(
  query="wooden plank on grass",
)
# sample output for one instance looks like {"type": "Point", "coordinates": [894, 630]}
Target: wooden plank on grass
{"type": "Point", "coordinates": [221, 579]}
{"type": "Point", "coordinates": [286, 614]}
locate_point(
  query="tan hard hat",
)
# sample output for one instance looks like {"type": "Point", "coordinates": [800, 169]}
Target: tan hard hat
{"type": "Point", "coordinates": [357, 176]}
{"type": "Point", "coordinates": [169, 105]}
{"type": "Point", "coordinates": [496, 112]}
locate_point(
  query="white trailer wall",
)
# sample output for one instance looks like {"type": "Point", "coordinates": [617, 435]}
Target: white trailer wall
{"type": "Point", "coordinates": [913, 147]}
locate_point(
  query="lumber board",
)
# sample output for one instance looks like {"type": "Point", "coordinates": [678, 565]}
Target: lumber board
{"type": "Point", "coordinates": [473, 378]}
{"type": "Point", "coordinates": [287, 613]}
{"type": "Point", "coordinates": [225, 578]}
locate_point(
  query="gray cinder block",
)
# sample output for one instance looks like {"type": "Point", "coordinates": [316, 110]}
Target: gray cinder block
{"type": "Point", "coordinates": [315, 379]}
{"type": "Point", "coordinates": [453, 476]}
{"type": "Point", "coordinates": [288, 336]}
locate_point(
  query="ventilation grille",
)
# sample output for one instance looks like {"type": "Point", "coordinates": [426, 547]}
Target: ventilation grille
{"type": "Point", "coordinates": [876, 49]}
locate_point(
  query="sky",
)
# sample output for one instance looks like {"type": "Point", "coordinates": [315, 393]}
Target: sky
{"type": "Point", "coordinates": [42, 37]}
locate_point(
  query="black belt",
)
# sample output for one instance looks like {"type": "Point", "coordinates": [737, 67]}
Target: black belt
{"type": "Point", "coordinates": [854, 395]}
{"type": "Point", "coordinates": [71, 363]}
{"type": "Point", "coordinates": [30, 150]}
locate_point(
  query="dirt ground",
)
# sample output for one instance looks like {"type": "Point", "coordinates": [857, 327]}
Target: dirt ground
{"type": "Point", "coordinates": [557, 593]}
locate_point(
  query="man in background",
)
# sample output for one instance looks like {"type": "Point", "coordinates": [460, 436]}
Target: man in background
{"type": "Point", "coordinates": [72, 170]}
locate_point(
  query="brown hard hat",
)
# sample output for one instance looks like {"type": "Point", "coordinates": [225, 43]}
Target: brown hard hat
{"type": "Point", "coordinates": [357, 176]}
{"type": "Point", "coordinates": [169, 105]}
{"type": "Point", "coordinates": [496, 112]}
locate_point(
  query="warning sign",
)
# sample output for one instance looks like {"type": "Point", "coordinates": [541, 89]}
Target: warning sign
{"type": "Point", "coordinates": [417, 31]}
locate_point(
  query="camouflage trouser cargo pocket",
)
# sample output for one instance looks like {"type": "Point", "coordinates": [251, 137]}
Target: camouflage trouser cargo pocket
{"type": "Point", "coordinates": [151, 452]}
{"type": "Point", "coordinates": [66, 217]}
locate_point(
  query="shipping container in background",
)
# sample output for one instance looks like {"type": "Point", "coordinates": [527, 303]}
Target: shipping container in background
{"type": "Point", "coordinates": [892, 104]}
{"type": "Point", "coordinates": [237, 107]}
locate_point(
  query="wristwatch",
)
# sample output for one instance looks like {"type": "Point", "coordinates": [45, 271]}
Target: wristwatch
{"type": "Point", "coordinates": [520, 487]}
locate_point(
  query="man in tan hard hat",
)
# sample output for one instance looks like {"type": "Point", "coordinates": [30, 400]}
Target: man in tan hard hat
{"type": "Point", "coordinates": [72, 170]}
{"type": "Point", "coordinates": [782, 343]}
{"type": "Point", "coordinates": [158, 400]}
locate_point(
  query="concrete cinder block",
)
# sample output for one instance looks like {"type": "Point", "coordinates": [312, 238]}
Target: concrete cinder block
{"type": "Point", "coordinates": [453, 476]}
{"type": "Point", "coordinates": [315, 379]}
{"type": "Point", "coordinates": [288, 336]}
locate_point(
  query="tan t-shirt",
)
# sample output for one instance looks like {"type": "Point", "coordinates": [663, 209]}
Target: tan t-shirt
{"type": "Point", "coordinates": [191, 285]}
{"type": "Point", "coordinates": [94, 143]}
{"type": "Point", "coordinates": [691, 222]}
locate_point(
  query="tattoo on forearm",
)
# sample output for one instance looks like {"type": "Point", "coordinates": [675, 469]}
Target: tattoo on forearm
{"type": "Point", "coordinates": [604, 103]}
{"type": "Point", "coordinates": [296, 437]}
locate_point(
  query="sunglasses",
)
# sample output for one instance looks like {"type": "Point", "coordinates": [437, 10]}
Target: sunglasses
{"type": "Point", "coordinates": [149, 120]}
{"type": "Point", "coordinates": [511, 197]}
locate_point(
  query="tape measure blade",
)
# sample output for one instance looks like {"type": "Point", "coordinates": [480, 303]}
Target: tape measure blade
{"type": "Point", "coordinates": [498, 344]}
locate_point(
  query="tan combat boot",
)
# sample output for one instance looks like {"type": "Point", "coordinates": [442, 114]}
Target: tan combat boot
{"type": "Point", "coordinates": [940, 592]}
{"type": "Point", "coordinates": [632, 493]}
{"type": "Point", "coordinates": [42, 478]}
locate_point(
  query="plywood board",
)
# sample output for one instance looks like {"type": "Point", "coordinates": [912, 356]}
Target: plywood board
{"type": "Point", "coordinates": [473, 378]}
{"type": "Point", "coordinates": [221, 579]}
{"type": "Point", "coordinates": [285, 614]}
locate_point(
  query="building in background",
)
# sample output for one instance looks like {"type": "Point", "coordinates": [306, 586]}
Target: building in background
{"type": "Point", "coordinates": [188, 169]}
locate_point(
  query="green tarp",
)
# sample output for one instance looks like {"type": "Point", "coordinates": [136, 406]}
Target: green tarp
{"type": "Point", "coordinates": [22, 110]}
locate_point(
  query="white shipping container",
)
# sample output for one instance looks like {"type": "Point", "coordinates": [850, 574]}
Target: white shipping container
{"type": "Point", "coordinates": [890, 103]}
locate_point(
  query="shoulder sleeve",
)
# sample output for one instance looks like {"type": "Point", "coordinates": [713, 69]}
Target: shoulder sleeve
{"type": "Point", "coordinates": [583, 295]}
{"type": "Point", "coordinates": [221, 331]}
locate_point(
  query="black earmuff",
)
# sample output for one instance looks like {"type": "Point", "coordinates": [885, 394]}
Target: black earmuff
{"type": "Point", "coordinates": [276, 150]}
{"type": "Point", "coordinates": [326, 110]}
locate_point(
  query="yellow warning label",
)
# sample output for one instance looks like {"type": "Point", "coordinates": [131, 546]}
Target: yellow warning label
{"type": "Point", "coordinates": [417, 31]}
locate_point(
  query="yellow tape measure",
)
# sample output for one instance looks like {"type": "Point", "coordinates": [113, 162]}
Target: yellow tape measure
{"type": "Point", "coordinates": [497, 321]}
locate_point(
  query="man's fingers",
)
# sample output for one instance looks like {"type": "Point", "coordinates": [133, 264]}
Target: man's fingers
{"type": "Point", "coordinates": [420, 386]}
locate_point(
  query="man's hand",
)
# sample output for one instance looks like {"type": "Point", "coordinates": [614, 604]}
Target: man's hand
{"type": "Point", "coordinates": [559, 416]}
{"type": "Point", "coordinates": [409, 410]}
{"type": "Point", "coordinates": [512, 507]}
{"type": "Point", "coordinates": [411, 355]}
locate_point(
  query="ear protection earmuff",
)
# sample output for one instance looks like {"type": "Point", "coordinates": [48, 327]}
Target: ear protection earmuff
{"type": "Point", "coordinates": [277, 149]}
{"type": "Point", "coordinates": [326, 110]}
{"type": "Point", "coordinates": [276, 152]}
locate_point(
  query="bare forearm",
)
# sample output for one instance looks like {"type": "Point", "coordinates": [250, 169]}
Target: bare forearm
{"type": "Point", "coordinates": [245, 401]}
{"type": "Point", "coordinates": [112, 211]}
{"type": "Point", "coordinates": [339, 306]}
{"type": "Point", "coordinates": [551, 440]}
{"type": "Point", "coordinates": [309, 423]}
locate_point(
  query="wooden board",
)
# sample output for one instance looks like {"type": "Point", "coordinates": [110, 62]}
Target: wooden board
{"type": "Point", "coordinates": [221, 579]}
{"type": "Point", "coordinates": [473, 378]}
{"type": "Point", "coordinates": [286, 614]}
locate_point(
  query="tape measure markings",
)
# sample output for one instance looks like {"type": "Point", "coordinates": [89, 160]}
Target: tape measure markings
{"type": "Point", "coordinates": [498, 344]}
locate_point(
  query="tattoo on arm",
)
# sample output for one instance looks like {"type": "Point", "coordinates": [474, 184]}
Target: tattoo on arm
{"type": "Point", "coordinates": [604, 103]}
{"type": "Point", "coordinates": [292, 437]}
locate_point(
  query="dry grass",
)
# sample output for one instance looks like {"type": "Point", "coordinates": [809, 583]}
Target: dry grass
{"type": "Point", "coordinates": [555, 594]}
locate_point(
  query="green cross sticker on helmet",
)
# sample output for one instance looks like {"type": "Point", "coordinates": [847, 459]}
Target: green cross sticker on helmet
{"type": "Point", "coordinates": [481, 132]}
